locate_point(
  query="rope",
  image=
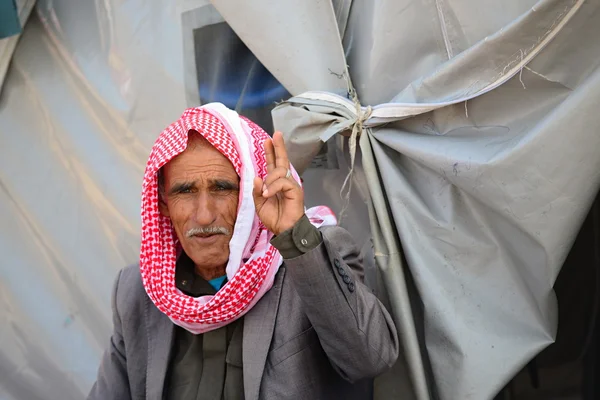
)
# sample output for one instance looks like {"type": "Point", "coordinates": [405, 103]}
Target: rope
{"type": "Point", "coordinates": [357, 130]}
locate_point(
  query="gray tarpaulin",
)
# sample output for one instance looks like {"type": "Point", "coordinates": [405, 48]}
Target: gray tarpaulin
{"type": "Point", "coordinates": [478, 161]}
{"type": "Point", "coordinates": [90, 86]}
{"type": "Point", "coordinates": [480, 155]}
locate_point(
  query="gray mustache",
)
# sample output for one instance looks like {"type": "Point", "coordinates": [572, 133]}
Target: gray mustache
{"type": "Point", "coordinates": [207, 230]}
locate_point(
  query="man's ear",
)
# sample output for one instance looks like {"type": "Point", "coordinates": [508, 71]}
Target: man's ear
{"type": "Point", "coordinates": [162, 207]}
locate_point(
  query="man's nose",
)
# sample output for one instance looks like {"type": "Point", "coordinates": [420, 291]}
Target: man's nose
{"type": "Point", "coordinates": [205, 210]}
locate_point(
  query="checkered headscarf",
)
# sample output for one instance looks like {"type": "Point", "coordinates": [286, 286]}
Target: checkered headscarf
{"type": "Point", "coordinates": [252, 263]}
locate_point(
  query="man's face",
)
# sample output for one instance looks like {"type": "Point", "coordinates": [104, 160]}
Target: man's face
{"type": "Point", "coordinates": [201, 191]}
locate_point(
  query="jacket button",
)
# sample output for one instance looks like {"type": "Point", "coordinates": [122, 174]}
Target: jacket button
{"type": "Point", "coordinates": [336, 262]}
{"type": "Point", "coordinates": [346, 279]}
{"type": "Point", "coordinates": [351, 286]}
{"type": "Point", "coordinates": [341, 271]}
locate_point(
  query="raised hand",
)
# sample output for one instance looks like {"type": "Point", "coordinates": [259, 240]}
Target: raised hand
{"type": "Point", "coordinates": [279, 200]}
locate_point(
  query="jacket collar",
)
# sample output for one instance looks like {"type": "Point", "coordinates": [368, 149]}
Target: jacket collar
{"type": "Point", "coordinates": [259, 324]}
{"type": "Point", "coordinates": [160, 333]}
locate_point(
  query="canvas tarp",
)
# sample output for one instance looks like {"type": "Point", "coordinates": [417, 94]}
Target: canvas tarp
{"type": "Point", "coordinates": [480, 158]}
{"type": "Point", "coordinates": [476, 166]}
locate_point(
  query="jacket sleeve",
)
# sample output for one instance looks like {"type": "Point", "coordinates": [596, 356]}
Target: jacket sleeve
{"type": "Point", "coordinates": [112, 381]}
{"type": "Point", "coordinates": [354, 328]}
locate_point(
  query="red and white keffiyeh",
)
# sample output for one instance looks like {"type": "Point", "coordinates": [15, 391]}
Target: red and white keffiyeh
{"type": "Point", "coordinates": [253, 262]}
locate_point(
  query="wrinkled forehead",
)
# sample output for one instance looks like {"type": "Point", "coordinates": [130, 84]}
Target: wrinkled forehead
{"type": "Point", "coordinates": [198, 152]}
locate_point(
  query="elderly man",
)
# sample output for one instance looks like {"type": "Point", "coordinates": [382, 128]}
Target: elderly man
{"type": "Point", "coordinates": [240, 292]}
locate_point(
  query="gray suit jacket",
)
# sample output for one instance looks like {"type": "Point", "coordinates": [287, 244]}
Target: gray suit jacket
{"type": "Point", "coordinates": [319, 333]}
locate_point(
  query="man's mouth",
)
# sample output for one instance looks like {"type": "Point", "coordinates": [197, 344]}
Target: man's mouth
{"type": "Point", "coordinates": [206, 235]}
{"type": "Point", "coordinates": [206, 238]}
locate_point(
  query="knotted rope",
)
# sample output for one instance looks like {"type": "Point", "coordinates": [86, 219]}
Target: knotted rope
{"type": "Point", "coordinates": [357, 130]}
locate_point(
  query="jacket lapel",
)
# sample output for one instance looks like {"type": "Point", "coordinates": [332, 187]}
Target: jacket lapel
{"type": "Point", "coordinates": [259, 324]}
{"type": "Point", "coordinates": [160, 337]}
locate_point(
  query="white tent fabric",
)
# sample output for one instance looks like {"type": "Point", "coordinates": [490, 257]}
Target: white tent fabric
{"type": "Point", "coordinates": [90, 86]}
{"type": "Point", "coordinates": [474, 171]}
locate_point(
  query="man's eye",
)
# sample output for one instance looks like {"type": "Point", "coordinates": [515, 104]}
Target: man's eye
{"type": "Point", "coordinates": [184, 190]}
{"type": "Point", "coordinates": [224, 187]}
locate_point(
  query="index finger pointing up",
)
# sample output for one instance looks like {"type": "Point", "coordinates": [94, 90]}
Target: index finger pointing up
{"type": "Point", "coordinates": [281, 157]}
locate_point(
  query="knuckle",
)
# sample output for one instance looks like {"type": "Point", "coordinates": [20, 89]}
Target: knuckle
{"type": "Point", "coordinates": [277, 173]}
